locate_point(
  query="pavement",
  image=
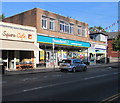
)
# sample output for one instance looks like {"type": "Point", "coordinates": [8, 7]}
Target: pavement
{"type": "Point", "coordinates": [43, 70]}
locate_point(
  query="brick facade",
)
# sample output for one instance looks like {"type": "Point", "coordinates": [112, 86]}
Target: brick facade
{"type": "Point", "coordinates": [33, 18]}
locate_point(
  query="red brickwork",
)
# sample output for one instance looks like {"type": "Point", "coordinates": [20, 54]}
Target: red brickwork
{"type": "Point", "coordinates": [111, 53]}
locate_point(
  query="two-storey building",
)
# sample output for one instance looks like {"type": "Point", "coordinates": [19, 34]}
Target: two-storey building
{"type": "Point", "coordinates": [60, 37]}
{"type": "Point", "coordinates": [98, 49]}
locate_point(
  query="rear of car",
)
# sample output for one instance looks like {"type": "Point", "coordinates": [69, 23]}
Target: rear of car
{"type": "Point", "coordinates": [66, 65]}
{"type": "Point", "coordinates": [72, 65]}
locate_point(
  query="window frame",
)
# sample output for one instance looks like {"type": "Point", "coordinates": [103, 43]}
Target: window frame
{"type": "Point", "coordinates": [79, 30]}
{"type": "Point", "coordinates": [84, 31]}
{"type": "Point", "coordinates": [71, 30]}
{"type": "Point", "coordinates": [51, 20]}
{"type": "Point", "coordinates": [44, 18]}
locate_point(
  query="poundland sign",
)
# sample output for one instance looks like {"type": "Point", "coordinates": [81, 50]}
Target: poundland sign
{"type": "Point", "coordinates": [60, 41]}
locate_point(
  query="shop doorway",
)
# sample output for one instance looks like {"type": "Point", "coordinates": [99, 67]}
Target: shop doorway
{"type": "Point", "coordinates": [8, 59]}
{"type": "Point", "coordinates": [51, 60]}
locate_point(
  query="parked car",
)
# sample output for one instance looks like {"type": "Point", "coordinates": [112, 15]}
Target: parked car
{"type": "Point", "coordinates": [73, 65]}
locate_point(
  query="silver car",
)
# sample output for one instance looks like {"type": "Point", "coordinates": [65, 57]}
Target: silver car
{"type": "Point", "coordinates": [72, 65]}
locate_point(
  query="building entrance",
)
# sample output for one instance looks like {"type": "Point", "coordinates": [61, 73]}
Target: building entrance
{"type": "Point", "coordinates": [51, 60]}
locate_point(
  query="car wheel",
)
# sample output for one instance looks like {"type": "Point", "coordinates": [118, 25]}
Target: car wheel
{"type": "Point", "coordinates": [85, 68]}
{"type": "Point", "coordinates": [74, 70]}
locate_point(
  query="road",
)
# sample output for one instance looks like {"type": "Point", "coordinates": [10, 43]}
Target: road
{"type": "Point", "coordinates": [93, 85]}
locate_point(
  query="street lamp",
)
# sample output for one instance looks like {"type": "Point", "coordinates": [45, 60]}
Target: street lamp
{"type": "Point", "coordinates": [53, 45]}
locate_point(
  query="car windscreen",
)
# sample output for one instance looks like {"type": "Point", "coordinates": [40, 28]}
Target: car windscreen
{"type": "Point", "coordinates": [66, 61]}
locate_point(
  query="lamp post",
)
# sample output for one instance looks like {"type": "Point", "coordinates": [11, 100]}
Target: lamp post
{"type": "Point", "coordinates": [53, 55]}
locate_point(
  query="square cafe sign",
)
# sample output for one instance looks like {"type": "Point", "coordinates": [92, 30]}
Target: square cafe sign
{"type": "Point", "coordinates": [17, 32]}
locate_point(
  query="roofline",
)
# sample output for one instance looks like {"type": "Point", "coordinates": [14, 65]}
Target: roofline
{"type": "Point", "coordinates": [98, 33]}
{"type": "Point", "coordinates": [20, 13]}
{"type": "Point", "coordinates": [48, 11]}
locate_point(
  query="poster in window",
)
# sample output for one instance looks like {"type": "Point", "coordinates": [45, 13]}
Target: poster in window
{"type": "Point", "coordinates": [42, 55]}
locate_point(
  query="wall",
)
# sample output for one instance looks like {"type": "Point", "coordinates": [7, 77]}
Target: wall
{"type": "Point", "coordinates": [111, 53]}
{"type": "Point", "coordinates": [24, 18]}
{"type": "Point", "coordinates": [57, 33]}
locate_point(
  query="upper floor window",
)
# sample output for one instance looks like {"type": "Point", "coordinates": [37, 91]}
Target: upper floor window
{"type": "Point", "coordinates": [44, 22]}
{"type": "Point", "coordinates": [62, 26]}
{"type": "Point", "coordinates": [71, 29]}
{"type": "Point", "coordinates": [66, 28]}
{"type": "Point", "coordinates": [79, 30]}
{"type": "Point", "coordinates": [84, 31]}
{"type": "Point", "coordinates": [52, 24]}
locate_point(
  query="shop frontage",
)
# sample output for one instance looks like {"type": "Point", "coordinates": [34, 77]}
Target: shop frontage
{"type": "Point", "coordinates": [97, 53]}
{"type": "Point", "coordinates": [18, 45]}
{"type": "Point", "coordinates": [57, 49]}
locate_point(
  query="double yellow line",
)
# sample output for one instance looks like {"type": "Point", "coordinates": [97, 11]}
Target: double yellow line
{"type": "Point", "coordinates": [109, 99]}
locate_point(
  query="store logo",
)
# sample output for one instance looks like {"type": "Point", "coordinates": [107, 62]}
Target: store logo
{"type": "Point", "coordinates": [29, 36]}
{"type": "Point", "coordinates": [67, 42]}
{"type": "Point", "coordinates": [6, 34]}
{"type": "Point", "coordinates": [21, 35]}
{"type": "Point", "coordinates": [59, 41]}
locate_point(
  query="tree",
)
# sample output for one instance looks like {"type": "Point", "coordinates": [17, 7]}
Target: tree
{"type": "Point", "coordinates": [116, 46]}
{"type": "Point", "coordinates": [116, 43]}
{"type": "Point", "coordinates": [97, 29]}
{"type": "Point", "coordinates": [2, 17]}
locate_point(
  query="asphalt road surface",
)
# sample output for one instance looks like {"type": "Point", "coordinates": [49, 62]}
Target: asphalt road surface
{"type": "Point", "coordinates": [92, 85]}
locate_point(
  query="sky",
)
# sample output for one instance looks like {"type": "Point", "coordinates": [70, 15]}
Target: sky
{"type": "Point", "coordinates": [101, 14]}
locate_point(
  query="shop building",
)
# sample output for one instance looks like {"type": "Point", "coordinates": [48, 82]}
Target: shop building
{"type": "Point", "coordinates": [98, 49]}
{"type": "Point", "coordinates": [17, 44]}
{"type": "Point", "coordinates": [60, 37]}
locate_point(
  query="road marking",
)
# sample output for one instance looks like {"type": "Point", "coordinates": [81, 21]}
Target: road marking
{"type": "Point", "coordinates": [109, 99]}
{"type": "Point", "coordinates": [101, 76]}
{"type": "Point", "coordinates": [96, 76]}
{"type": "Point", "coordinates": [57, 84]}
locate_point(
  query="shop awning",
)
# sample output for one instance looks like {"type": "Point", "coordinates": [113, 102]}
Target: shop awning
{"type": "Point", "coordinates": [18, 45]}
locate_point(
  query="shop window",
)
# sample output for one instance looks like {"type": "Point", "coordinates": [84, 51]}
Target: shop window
{"type": "Point", "coordinates": [52, 24]}
{"type": "Point", "coordinates": [26, 56]}
{"type": "Point", "coordinates": [44, 22]}
{"type": "Point", "coordinates": [4, 55]}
